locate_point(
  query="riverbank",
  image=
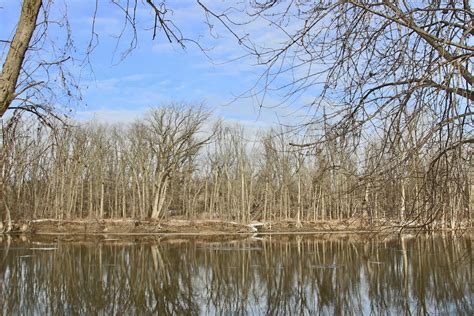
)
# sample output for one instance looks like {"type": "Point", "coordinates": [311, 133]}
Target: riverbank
{"type": "Point", "coordinates": [209, 227]}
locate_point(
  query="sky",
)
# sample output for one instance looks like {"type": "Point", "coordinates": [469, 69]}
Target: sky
{"type": "Point", "coordinates": [155, 72]}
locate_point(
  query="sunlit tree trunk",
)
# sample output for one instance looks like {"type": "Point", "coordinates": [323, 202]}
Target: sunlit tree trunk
{"type": "Point", "coordinates": [402, 202]}
{"type": "Point", "coordinates": [16, 54]}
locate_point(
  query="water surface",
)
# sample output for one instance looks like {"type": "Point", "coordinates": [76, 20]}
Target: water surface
{"type": "Point", "coordinates": [272, 275]}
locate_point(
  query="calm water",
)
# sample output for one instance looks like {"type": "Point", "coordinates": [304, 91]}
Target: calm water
{"type": "Point", "coordinates": [290, 275]}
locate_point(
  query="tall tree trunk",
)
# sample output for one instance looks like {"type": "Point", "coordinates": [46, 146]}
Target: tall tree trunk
{"type": "Point", "coordinates": [265, 202]}
{"type": "Point", "coordinates": [3, 201]}
{"type": "Point", "coordinates": [298, 216]}
{"type": "Point", "coordinates": [365, 210]}
{"type": "Point", "coordinates": [160, 197]}
{"type": "Point", "coordinates": [403, 203]}
{"type": "Point", "coordinates": [16, 54]}
{"type": "Point", "coordinates": [102, 197]}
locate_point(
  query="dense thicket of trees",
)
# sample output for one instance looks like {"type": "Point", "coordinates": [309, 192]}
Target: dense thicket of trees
{"type": "Point", "coordinates": [175, 161]}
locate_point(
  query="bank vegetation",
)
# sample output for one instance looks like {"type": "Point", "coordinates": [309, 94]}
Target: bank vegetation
{"type": "Point", "coordinates": [178, 161]}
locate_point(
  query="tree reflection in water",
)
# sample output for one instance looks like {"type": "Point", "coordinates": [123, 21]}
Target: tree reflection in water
{"type": "Point", "coordinates": [274, 276]}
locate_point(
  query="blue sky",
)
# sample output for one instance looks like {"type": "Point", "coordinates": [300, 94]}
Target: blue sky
{"type": "Point", "coordinates": [157, 72]}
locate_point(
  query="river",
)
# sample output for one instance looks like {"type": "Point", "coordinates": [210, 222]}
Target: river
{"type": "Point", "coordinates": [260, 275]}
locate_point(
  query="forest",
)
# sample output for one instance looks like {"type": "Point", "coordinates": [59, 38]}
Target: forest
{"type": "Point", "coordinates": [178, 160]}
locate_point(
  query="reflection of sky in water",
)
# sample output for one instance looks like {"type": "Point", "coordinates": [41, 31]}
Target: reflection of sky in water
{"type": "Point", "coordinates": [278, 277]}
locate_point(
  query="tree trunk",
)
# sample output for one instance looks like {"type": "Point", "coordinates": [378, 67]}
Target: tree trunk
{"type": "Point", "coordinates": [16, 54]}
{"type": "Point", "coordinates": [159, 199]}
{"type": "Point", "coordinates": [102, 196]}
{"type": "Point", "coordinates": [3, 197]}
{"type": "Point", "coordinates": [298, 216]}
{"type": "Point", "coordinates": [403, 203]}
{"type": "Point", "coordinates": [265, 202]}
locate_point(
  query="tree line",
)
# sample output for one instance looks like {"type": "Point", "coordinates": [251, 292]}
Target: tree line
{"type": "Point", "coordinates": [177, 160]}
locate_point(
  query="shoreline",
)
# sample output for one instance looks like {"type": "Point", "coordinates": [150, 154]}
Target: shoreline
{"type": "Point", "coordinates": [213, 227]}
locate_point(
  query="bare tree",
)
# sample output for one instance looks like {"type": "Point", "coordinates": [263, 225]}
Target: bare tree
{"type": "Point", "coordinates": [396, 71]}
{"type": "Point", "coordinates": [171, 135]}
{"type": "Point", "coordinates": [376, 65]}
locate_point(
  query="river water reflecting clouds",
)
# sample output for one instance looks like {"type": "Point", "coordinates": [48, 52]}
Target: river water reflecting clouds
{"type": "Point", "coordinates": [278, 275]}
